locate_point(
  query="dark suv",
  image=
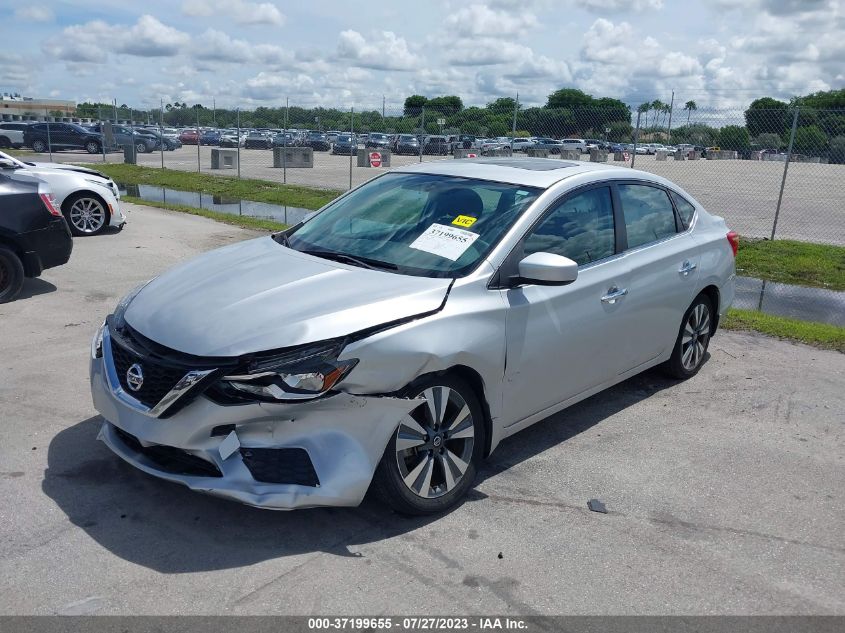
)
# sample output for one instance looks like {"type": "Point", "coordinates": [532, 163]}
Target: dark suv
{"type": "Point", "coordinates": [62, 136]}
{"type": "Point", "coordinates": [33, 233]}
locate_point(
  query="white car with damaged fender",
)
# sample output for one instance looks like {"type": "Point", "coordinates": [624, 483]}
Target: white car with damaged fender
{"type": "Point", "coordinates": [89, 200]}
{"type": "Point", "coordinates": [393, 339]}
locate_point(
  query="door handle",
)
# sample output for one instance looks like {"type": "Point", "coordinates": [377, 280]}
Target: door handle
{"type": "Point", "coordinates": [614, 293]}
{"type": "Point", "coordinates": [686, 268]}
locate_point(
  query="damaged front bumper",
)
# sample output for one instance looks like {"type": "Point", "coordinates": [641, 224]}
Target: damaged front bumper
{"type": "Point", "coordinates": [281, 456]}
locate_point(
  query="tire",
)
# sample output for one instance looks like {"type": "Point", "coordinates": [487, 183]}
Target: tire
{"type": "Point", "coordinates": [439, 464]}
{"type": "Point", "coordinates": [5, 142]}
{"type": "Point", "coordinates": [11, 275]}
{"type": "Point", "coordinates": [39, 146]}
{"type": "Point", "coordinates": [693, 338]}
{"type": "Point", "coordinates": [86, 214]}
{"type": "Point", "coordinates": [140, 148]}
{"type": "Point", "coordinates": [92, 147]}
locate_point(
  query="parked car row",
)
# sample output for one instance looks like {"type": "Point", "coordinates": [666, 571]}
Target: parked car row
{"type": "Point", "coordinates": [44, 137]}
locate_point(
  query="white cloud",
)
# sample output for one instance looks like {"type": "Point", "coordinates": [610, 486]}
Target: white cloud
{"type": "Point", "coordinates": [150, 38]}
{"type": "Point", "coordinates": [93, 41]}
{"type": "Point", "coordinates": [217, 46]}
{"type": "Point", "coordinates": [35, 13]}
{"type": "Point", "coordinates": [605, 6]}
{"type": "Point", "coordinates": [382, 50]}
{"type": "Point", "coordinates": [243, 12]}
{"type": "Point", "coordinates": [479, 19]}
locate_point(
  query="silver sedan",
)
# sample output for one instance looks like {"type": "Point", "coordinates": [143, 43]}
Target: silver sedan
{"type": "Point", "coordinates": [392, 340]}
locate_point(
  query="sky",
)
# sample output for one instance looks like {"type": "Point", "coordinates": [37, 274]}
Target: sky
{"type": "Point", "coordinates": [339, 53]}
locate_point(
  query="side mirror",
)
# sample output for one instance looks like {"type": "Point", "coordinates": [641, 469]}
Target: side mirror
{"type": "Point", "coordinates": [5, 163]}
{"type": "Point", "coordinates": [547, 269]}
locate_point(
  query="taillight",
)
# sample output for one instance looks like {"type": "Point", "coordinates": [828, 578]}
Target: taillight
{"type": "Point", "coordinates": [50, 202]}
{"type": "Point", "coordinates": [733, 238]}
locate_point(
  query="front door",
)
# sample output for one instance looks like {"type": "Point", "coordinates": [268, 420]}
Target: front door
{"type": "Point", "coordinates": [563, 340]}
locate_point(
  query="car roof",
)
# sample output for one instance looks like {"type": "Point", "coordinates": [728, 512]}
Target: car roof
{"type": "Point", "coordinates": [531, 172]}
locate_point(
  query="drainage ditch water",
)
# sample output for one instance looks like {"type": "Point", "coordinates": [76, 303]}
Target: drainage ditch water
{"type": "Point", "coordinates": [220, 204]}
{"type": "Point", "coordinates": [797, 302]}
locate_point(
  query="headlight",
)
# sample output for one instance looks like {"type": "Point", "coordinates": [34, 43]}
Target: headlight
{"type": "Point", "coordinates": [97, 342]}
{"type": "Point", "coordinates": [300, 375]}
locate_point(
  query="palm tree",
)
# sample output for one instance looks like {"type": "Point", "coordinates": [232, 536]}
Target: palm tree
{"type": "Point", "coordinates": [689, 106]}
{"type": "Point", "coordinates": [657, 107]}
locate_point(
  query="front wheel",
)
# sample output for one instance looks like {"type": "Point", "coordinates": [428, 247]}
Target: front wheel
{"type": "Point", "coordinates": [693, 339]}
{"type": "Point", "coordinates": [39, 146]}
{"type": "Point", "coordinates": [85, 214]}
{"type": "Point", "coordinates": [140, 148]}
{"type": "Point", "coordinates": [92, 147]}
{"type": "Point", "coordinates": [431, 460]}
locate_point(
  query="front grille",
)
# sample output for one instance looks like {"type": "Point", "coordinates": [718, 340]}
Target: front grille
{"type": "Point", "coordinates": [170, 459]}
{"type": "Point", "coordinates": [159, 378]}
{"type": "Point", "coordinates": [280, 466]}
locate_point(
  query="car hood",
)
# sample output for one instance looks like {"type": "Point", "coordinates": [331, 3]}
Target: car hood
{"type": "Point", "coordinates": [63, 167]}
{"type": "Point", "coordinates": [258, 295]}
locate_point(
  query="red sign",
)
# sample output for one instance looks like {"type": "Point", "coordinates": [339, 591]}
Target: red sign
{"type": "Point", "coordinates": [375, 159]}
{"type": "Point", "coordinates": [472, 155]}
{"type": "Point", "coordinates": [626, 157]}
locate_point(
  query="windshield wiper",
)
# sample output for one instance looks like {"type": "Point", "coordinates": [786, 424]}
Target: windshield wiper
{"type": "Point", "coordinates": [363, 262]}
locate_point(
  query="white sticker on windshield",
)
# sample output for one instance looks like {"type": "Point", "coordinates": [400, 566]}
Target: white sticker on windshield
{"type": "Point", "coordinates": [446, 241]}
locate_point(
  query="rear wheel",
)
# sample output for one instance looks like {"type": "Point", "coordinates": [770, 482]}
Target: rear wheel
{"type": "Point", "coordinates": [432, 458]}
{"type": "Point", "coordinates": [11, 275]}
{"type": "Point", "coordinates": [39, 146]}
{"type": "Point", "coordinates": [140, 148]}
{"type": "Point", "coordinates": [92, 147]}
{"type": "Point", "coordinates": [85, 214]}
{"type": "Point", "coordinates": [693, 339]}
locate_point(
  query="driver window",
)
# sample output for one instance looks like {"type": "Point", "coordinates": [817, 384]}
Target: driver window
{"type": "Point", "coordinates": [580, 228]}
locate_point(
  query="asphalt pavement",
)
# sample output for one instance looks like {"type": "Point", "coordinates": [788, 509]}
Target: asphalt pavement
{"type": "Point", "coordinates": [724, 494]}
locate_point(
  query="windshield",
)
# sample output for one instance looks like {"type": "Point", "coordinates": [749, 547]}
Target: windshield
{"type": "Point", "coordinates": [415, 224]}
{"type": "Point", "coordinates": [344, 138]}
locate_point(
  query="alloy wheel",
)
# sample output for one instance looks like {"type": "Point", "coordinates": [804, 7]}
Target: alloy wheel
{"type": "Point", "coordinates": [695, 337]}
{"type": "Point", "coordinates": [87, 215]}
{"type": "Point", "coordinates": [434, 443]}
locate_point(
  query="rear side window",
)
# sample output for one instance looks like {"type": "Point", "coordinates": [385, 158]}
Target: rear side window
{"type": "Point", "coordinates": [580, 228]}
{"type": "Point", "coordinates": [649, 215]}
{"type": "Point", "coordinates": [685, 209]}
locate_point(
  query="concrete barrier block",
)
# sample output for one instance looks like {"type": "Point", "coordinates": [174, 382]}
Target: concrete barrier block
{"type": "Point", "coordinates": [130, 156]}
{"type": "Point", "coordinates": [460, 152]}
{"type": "Point", "coordinates": [293, 157]}
{"type": "Point", "coordinates": [680, 155]}
{"type": "Point", "coordinates": [537, 152]}
{"type": "Point", "coordinates": [598, 155]}
{"type": "Point", "coordinates": [570, 154]}
{"type": "Point", "coordinates": [224, 158]}
{"type": "Point", "coordinates": [661, 155]}
{"type": "Point", "coordinates": [501, 151]}
{"type": "Point", "coordinates": [619, 156]}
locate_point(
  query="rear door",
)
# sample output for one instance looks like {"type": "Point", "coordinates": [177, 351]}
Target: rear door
{"type": "Point", "coordinates": [663, 259]}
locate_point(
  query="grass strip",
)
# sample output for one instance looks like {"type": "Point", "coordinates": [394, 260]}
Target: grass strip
{"type": "Point", "coordinates": [243, 188]}
{"type": "Point", "coordinates": [792, 262]}
{"type": "Point", "coordinates": [246, 222]}
{"type": "Point", "coordinates": [821, 335]}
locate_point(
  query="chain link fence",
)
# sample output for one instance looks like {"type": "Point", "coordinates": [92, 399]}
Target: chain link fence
{"type": "Point", "coordinates": [770, 173]}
